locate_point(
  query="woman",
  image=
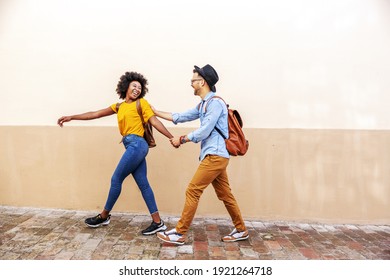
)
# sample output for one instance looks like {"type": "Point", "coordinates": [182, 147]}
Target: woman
{"type": "Point", "coordinates": [132, 86]}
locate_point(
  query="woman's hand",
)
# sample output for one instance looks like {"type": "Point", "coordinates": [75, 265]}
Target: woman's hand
{"type": "Point", "coordinates": [63, 119]}
{"type": "Point", "coordinates": [175, 141]}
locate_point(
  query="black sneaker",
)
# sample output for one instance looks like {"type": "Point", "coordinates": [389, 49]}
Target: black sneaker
{"type": "Point", "coordinates": [154, 227]}
{"type": "Point", "coordinates": [97, 221]}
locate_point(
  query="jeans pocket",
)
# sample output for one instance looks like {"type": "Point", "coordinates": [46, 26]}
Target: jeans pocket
{"type": "Point", "coordinates": [129, 141]}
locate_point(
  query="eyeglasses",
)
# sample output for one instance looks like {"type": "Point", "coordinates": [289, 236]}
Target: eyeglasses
{"type": "Point", "coordinates": [194, 80]}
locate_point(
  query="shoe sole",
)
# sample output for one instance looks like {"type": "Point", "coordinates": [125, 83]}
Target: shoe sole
{"type": "Point", "coordinates": [170, 241]}
{"type": "Point", "coordinates": [99, 225]}
{"type": "Point", "coordinates": [164, 227]}
{"type": "Point", "coordinates": [236, 239]}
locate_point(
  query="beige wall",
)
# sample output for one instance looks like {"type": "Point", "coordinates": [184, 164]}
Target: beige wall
{"type": "Point", "coordinates": [338, 176]}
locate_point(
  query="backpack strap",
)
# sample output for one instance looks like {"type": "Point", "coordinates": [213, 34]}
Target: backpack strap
{"type": "Point", "coordinates": [216, 128]}
{"type": "Point", "coordinates": [200, 104]}
{"type": "Point", "coordinates": [117, 106]}
{"type": "Point", "coordinates": [139, 110]}
{"type": "Point", "coordinates": [215, 96]}
{"type": "Point", "coordinates": [117, 110]}
{"type": "Point", "coordinates": [207, 102]}
{"type": "Point", "coordinates": [220, 132]}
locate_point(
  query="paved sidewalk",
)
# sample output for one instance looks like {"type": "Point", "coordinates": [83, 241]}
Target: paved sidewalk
{"type": "Point", "coordinates": [29, 234]}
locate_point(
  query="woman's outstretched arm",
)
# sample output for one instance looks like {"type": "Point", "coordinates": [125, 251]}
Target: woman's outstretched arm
{"type": "Point", "coordinates": [86, 116]}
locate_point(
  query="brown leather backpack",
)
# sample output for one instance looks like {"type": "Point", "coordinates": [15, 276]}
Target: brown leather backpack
{"type": "Point", "coordinates": [236, 144]}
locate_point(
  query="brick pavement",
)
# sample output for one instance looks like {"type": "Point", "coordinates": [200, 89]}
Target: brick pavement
{"type": "Point", "coordinates": [47, 234]}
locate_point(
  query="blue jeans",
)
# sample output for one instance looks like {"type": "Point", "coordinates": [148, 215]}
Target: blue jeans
{"type": "Point", "coordinates": [132, 162]}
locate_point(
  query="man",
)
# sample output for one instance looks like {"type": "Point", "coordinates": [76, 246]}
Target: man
{"type": "Point", "coordinates": [213, 156]}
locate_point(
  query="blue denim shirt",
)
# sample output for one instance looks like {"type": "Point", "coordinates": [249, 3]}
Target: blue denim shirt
{"type": "Point", "coordinates": [212, 142]}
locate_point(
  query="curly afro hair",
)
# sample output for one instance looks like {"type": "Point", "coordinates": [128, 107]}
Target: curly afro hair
{"type": "Point", "coordinates": [125, 81]}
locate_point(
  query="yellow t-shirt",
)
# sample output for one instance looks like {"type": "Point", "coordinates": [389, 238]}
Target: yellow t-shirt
{"type": "Point", "coordinates": [129, 122]}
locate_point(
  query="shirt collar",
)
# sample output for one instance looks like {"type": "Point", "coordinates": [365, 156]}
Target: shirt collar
{"type": "Point", "coordinates": [209, 96]}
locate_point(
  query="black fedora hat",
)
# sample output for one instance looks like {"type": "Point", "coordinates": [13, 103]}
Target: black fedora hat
{"type": "Point", "coordinates": [209, 74]}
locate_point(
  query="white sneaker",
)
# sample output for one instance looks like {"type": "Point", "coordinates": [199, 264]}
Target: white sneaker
{"type": "Point", "coordinates": [171, 236]}
{"type": "Point", "coordinates": [236, 236]}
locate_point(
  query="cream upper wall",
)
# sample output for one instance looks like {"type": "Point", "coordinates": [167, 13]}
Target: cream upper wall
{"type": "Point", "coordinates": [284, 64]}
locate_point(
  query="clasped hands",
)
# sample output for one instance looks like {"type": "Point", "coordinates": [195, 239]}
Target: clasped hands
{"type": "Point", "coordinates": [175, 141]}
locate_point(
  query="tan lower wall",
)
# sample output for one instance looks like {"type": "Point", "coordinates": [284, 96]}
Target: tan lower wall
{"type": "Point", "coordinates": [331, 176]}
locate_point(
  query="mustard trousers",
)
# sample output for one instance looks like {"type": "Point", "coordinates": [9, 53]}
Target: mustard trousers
{"type": "Point", "coordinates": [212, 170]}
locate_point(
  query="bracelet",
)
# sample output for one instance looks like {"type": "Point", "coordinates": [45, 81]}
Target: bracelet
{"type": "Point", "coordinates": [182, 140]}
